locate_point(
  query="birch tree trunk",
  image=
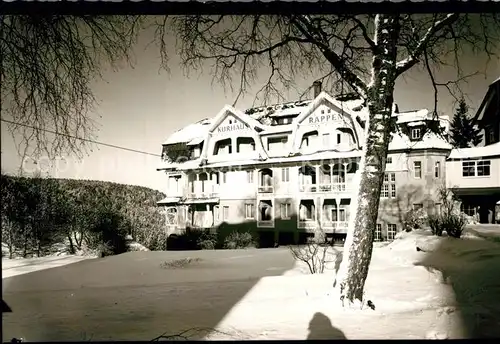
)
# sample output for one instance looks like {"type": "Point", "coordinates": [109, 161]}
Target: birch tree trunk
{"type": "Point", "coordinates": [359, 242]}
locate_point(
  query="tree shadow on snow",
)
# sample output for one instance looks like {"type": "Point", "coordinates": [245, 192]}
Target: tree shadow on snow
{"type": "Point", "coordinates": [475, 280]}
{"type": "Point", "coordinates": [320, 327]}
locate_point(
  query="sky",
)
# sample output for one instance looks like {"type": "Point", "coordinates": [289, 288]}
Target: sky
{"type": "Point", "coordinates": [143, 105]}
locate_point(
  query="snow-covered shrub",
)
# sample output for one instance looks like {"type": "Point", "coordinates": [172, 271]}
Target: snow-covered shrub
{"type": "Point", "coordinates": [413, 219]}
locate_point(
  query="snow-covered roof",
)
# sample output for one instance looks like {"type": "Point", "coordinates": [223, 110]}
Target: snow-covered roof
{"type": "Point", "coordinates": [494, 82]}
{"type": "Point", "coordinates": [168, 200]}
{"type": "Point", "coordinates": [276, 129]}
{"type": "Point", "coordinates": [190, 132]}
{"type": "Point", "coordinates": [413, 116]}
{"type": "Point", "coordinates": [429, 141]}
{"type": "Point", "coordinates": [476, 152]}
{"type": "Point", "coordinates": [278, 110]}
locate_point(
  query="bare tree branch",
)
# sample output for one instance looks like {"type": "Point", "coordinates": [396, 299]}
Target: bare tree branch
{"type": "Point", "coordinates": [48, 63]}
{"type": "Point", "coordinates": [413, 59]}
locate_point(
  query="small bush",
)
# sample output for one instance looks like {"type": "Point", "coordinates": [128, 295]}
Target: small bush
{"type": "Point", "coordinates": [239, 240]}
{"type": "Point", "coordinates": [454, 224]}
{"type": "Point", "coordinates": [208, 241]}
{"type": "Point", "coordinates": [179, 263]}
{"type": "Point", "coordinates": [434, 222]}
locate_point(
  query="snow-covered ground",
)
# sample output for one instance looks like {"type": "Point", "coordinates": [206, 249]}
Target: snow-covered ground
{"type": "Point", "coordinates": [14, 267]}
{"type": "Point", "coordinates": [19, 265]}
{"type": "Point", "coordinates": [450, 289]}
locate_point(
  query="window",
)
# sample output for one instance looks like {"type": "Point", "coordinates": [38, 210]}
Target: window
{"type": "Point", "coordinates": [326, 140]}
{"type": "Point", "coordinates": [276, 143]}
{"type": "Point", "coordinates": [265, 211]}
{"type": "Point", "coordinates": [473, 168]}
{"type": "Point", "coordinates": [224, 177]}
{"type": "Point", "coordinates": [339, 138]}
{"type": "Point", "coordinates": [378, 232]}
{"type": "Point", "coordinates": [223, 147]}
{"type": "Point", "coordinates": [468, 209]}
{"type": "Point", "coordinates": [333, 216]}
{"type": "Point", "coordinates": [418, 206]}
{"type": "Point", "coordinates": [250, 177]}
{"type": "Point", "coordinates": [415, 133]}
{"type": "Point", "coordinates": [307, 210]}
{"type": "Point", "coordinates": [342, 215]}
{"type": "Point", "coordinates": [216, 213]}
{"type": "Point", "coordinates": [417, 169]}
{"type": "Point", "coordinates": [285, 210]}
{"type": "Point", "coordinates": [225, 213]}
{"type": "Point", "coordinates": [389, 160]}
{"type": "Point", "coordinates": [389, 186]}
{"type": "Point", "coordinates": [483, 168]}
{"type": "Point", "coordinates": [437, 169]}
{"type": "Point", "coordinates": [249, 211]}
{"type": "Point", "coordinates": [391, 231]}
{"type": "Point", "coordinates": [285, 174]}
{"type": "Point", "coordinates": [491, 135]}
{"type": "Point", "coordinates": [385, 191]}
{"type": "Point", "coordinates": [468, 168]}
{"type": "Point", "coordinates": [172, 216]}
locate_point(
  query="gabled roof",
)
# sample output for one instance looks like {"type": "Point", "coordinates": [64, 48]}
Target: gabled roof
{"type": "Point", "coordinates": [229, 110]}
{"type": "Point", "coordinates": [190, 132]}
{"type": "Point", "coordinates": [254, 125]}
{"type": "Point", "coordinates": [339, 106]}
{"type": "Point", "coordinates": [492, 88]}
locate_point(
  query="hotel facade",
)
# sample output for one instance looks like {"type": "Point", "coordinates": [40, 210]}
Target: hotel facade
{"type": "Point", "coordinates": [283, 171]}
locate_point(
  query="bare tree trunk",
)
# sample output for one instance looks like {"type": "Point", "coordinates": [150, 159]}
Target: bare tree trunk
{"type": "Point", "coordinates": [359, 243]}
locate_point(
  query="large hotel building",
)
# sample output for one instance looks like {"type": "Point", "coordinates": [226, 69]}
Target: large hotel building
{"type": "Point", "coordinates": [285, 170]}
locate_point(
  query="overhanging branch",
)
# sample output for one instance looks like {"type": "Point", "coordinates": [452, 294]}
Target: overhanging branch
{"type": "Point", "coordinates": [415, 55]}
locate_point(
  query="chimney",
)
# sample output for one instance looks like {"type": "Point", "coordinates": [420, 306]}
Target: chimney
{"type": "Point", "coordinates": [317, 88]}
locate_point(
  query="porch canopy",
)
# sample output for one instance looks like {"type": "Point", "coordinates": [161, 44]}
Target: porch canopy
{"type": "Point", "coordinates": [201, 201]}
{"type": "Point", "coordinates": [169, 201]}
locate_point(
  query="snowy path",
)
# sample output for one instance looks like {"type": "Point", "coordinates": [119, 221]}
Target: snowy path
{"type": "Point", "coordinates": [14, 267]}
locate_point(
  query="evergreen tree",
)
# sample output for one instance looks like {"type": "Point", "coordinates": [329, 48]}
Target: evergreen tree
{"type": "Point", "coordinates": [463, 133]}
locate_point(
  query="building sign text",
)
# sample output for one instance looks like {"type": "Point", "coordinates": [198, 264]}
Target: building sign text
{"type": "Point", "coordinates": [232, 127]}
{"type": "Point", "coordinates": [323, 118]}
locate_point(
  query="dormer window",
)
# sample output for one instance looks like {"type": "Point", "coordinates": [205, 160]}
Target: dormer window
{"type": "Point", "coordinates": [416, 133]}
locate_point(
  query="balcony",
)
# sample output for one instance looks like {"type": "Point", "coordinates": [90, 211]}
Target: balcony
{"type": "Point", "coordinates": [266, 189]}
{"type": "Point", "coordinates": [203, 191]}
{"type": "Point", "coordinates": [336, 225]}
{"type": "Point", "coordinates": [308, 188]}
{"type": "Point", "coordinates": [265, 223]}
{"type": "Point", "coordinates": [330, 187]}
{"type": "Point", "coordinates": [307, 224]}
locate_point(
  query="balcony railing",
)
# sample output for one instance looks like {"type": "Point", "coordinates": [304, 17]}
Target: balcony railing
{"type": "Point", "coordinates": [209, 191]}
{"type": "Point", "coordinates": [330, 187]}
{"type": "Point", "coordinates": [266, 189]}
{"type": "Point", "coordinates": [307, 224]}
{"type": "Point", "coordinates": [335, 224]}
{"type": "Point", "coordinates": [308, 187]}
{"type": "Point", "coordinates": [265, 223]}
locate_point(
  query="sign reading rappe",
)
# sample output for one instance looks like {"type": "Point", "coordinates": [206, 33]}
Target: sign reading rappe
{"type": "Point", "coordinates": [323, 118]}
